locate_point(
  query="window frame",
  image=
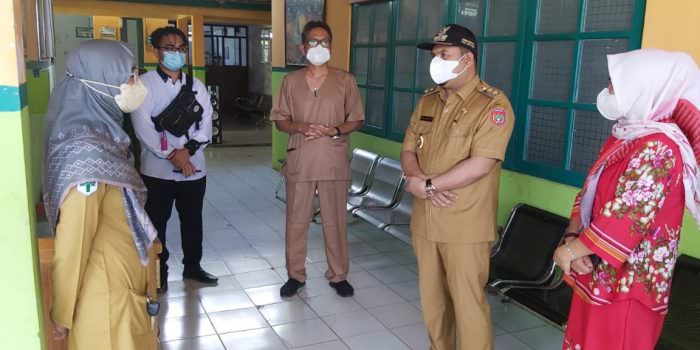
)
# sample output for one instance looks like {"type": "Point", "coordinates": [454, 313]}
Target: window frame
{"type": "Point", "coordinates": [525, 40]}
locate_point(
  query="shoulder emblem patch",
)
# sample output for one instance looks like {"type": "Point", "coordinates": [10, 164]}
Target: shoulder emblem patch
{"type": "Point", "coordinates": [87, 188]}
{"type": "Point", "coordinates": [498, 116]}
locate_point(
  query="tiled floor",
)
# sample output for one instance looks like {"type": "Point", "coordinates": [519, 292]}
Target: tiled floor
{"type": "Point", "coordinates": [244, 246]}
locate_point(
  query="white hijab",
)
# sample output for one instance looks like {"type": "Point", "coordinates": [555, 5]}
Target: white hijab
{"type": "Point", "coordinates": [648, 85]}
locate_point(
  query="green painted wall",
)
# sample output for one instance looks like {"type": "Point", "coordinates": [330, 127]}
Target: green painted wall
{"type": "Point", "coordinates": [515, 187]}
{"type": "Point", "coordinates": [21, 322]}
{"type": "Point", "coordinates": [38, 89]}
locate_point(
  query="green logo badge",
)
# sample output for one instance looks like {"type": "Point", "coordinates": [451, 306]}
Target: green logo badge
{"type": "Point", "coordinates": [87, 188]}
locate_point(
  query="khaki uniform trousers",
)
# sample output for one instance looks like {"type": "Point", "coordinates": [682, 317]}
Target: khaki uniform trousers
{"type": "Point", "coordinates": [99, 282]}
{"type": "Point", "coordinates": [452, 278]}
{"type": "Point", "coordinates": [333, 199]}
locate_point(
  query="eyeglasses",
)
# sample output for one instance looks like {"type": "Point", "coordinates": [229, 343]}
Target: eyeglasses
{"type": "Point", "coordinates": [315, 42]}
{"type": "Point", "coordinates": [181, 49]}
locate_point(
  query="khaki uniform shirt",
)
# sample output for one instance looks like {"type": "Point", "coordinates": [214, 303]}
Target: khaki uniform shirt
{"type": "Point", "coordinates": [476, 121]}
{"type": "Point", "coordinates": [337, 101]}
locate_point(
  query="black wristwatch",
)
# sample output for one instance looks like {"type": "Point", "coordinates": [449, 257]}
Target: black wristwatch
{"type": "Point", "coordinates": [337, 133]}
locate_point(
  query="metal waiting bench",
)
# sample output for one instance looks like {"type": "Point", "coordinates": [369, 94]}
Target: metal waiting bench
{"type": "Point", "coordinates": [397, 214]}
{"type": "Point", "coordinates": [385, 189]}
{"type": "Point", "coordinates": [522, 266]}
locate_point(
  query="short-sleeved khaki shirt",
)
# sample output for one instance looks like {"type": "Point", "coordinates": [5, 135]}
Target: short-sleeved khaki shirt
{"type": "Point", "coordinates": [337, 101]}
{"type": "Point", "coordinates": [476, 121]}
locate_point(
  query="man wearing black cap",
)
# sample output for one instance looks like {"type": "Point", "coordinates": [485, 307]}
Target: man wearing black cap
{"type": "Point", "coordinates": [452, 155]}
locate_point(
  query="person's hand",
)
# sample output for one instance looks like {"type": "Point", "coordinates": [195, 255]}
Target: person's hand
{"type": "Point", "coordinates": [179, 158]}
{"type": "Point", "coordinates": [315, 131]}
{"type": "Point", "coordinates": [324, 130]}
{"type": "Point", "coordinates": [562, 258]}
{"type": "Point", "coordinates": [188, 169]}
{"type": "Point", "coordinates": [59, 332]}
{"type": "Point", "coordinates": [416, 186]}
{"type": "Point", "coordinates": [443, 199]}
{"type": "Point", "coordinates": [582, 265]}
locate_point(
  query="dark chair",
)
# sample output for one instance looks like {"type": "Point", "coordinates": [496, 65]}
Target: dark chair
{"type": "Point", "coordinates": [523, 255]}
{"type": "Point", "coordinates": [682, 327]}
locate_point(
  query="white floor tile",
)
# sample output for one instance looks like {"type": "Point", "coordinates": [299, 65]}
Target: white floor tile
{"type": "Point", "coordinates": [377, 296]}
{"type": "Point", "coordinates": [181, 306]}
{"type": "Point", "coordinates": [258, 339]}
{"type": "Point", "coordinates": [397, 315]}
{"type": "Point", "coordinates": [415, 336]}
{"type": "Point", "coordinates": [225, 300]}
{"type": "Point", "coordinates": [281, 313]}
{"type": "Point", "coordinates": [363, 279]}
{"type": "Point", "coordinates": [268, 295]}
{"type": "Point", "coordinates": [194, 326]}
{"type": "Point", "coordinates": [384, 340]}
{"type": "Point", "coordinates": [408, 290]}
{"type": "Point", "coordinates": [225, 283]}
{"type": "Point", "coordinates": [331, 304]}
{"type": "Point", "coordinates": [332, 345]}
{"type": "Point", "coordinates": [353, 323]}
{"type": "Point", "coordinates": [376, 261]}
{"type": "Point", "coordinates": [258, 278]}
{"type": "Point", "coordinates": [509, 342]}
{"type": "Point", "coordinates": [210, 342]}
{"type": "Point", "coordinates": [237, 320]}
{"type": "Point", "coordinates": [542, 338]}
{"type": "Point", "coordinates": [513, 318]}
{"type": "Point", "coordinates": [394, 274]}
{"type": "Point", "coordinates": [304, 333]}
{"type": "Point", "coordinates": [237, 266]}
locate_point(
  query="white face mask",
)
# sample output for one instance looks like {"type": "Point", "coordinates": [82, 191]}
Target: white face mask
{"type": "Point", "coordinates": [318, 55]}
{"type": "Point", "coordinates": [442, 71]}
{"type": "Point", "coordinates": [608, 106]}
{"type": "Point", "coordinates": [131, 95]}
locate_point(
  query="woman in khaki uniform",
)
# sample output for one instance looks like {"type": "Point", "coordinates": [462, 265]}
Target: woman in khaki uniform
{"type": "Point", "coordinates": [94, 201]}
{"type": "Point", "coordinates": [318, 107]}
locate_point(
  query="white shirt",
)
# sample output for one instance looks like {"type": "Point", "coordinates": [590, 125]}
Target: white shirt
{"type": "Point", "coordinates": [154, 161]}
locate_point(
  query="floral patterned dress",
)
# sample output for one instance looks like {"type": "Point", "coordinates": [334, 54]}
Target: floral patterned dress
{"type": "Point", "coordinates": [635, 227]}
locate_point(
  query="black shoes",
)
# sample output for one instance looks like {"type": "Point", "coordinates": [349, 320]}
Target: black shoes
{"type": "Point", "coordinates": [199, 275]}
{"type": "Point", "coordinates": [343, 288]}
{"type": "Point", "coordinates": [290, 288]}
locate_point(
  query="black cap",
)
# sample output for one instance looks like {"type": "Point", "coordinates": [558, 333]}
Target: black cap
{"type": "Point", "coordinates": [452, 35]}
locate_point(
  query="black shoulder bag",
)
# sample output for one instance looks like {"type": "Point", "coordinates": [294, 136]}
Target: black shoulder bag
{"type": "Point", "coordinates": [181, 113]}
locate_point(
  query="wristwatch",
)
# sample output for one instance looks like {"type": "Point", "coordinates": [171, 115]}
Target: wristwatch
{"type": "Point", "coordinates": [430, 189]}
{"type": "Point", "coordinates": [337, 133]}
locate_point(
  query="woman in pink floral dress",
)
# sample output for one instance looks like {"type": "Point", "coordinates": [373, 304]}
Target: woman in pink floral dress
{"type": "Point", "coordinates": [626, 221]}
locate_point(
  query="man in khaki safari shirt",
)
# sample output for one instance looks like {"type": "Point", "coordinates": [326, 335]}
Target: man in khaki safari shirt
{"type": "Point", "coordinates": [452, 155]}
{"type": "Point", "coordinates": [318, 107]}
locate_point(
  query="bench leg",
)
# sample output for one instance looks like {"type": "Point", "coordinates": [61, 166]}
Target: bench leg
{"type": "Point", "coordinates": [278, 187]}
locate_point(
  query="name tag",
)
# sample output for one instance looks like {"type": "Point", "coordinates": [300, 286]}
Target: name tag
{"type": "Point", "coordinates": [426, 118]}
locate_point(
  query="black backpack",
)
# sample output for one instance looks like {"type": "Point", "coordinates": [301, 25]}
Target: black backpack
{"type": "Point", "coordinates": [181, 113]}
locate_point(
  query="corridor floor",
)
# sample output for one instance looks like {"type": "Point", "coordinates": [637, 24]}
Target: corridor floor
{"type": "Point", "coordinates": [244, 246]}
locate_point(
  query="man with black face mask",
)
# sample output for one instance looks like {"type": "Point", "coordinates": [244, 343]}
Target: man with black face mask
{"type": "Point", "coordinates": [172, 154]}
{"type": "Point", "coordinates": [452, 155]}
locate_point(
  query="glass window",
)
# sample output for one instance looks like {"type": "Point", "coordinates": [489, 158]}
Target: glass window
{"type": "Point", "coordinates": [548, 57]}
{"type": "Point", "coordinates": [227, 45]}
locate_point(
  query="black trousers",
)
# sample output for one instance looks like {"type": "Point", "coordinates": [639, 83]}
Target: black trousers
{"type": "Point", "coordinates": [189, 201]}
